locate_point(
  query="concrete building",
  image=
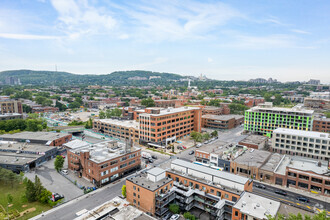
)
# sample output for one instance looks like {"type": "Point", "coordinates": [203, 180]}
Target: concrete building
{"type": "Point", "coordinates": [23, 156]}
{"type": "Point", "coordinates": [265, 118]}
{"type": "Point", "coordinates": [320, 95]}
{"type": "Point", "coordinates": [321, 125]}
{"type": "Point", "coordinates": [104, 162]}
{"type": "Point", "coordinates": [222, 122]}
{"type": "Point", "coordinates": [317, 103]}
{"type": "Point", "coordinates": [10, 116]}
{"type": "Point", "coordinates": [254, 141]}
{"type": "Point", "coordinates": [251, 206]}
{"type": "Point", "coordinates": [173, 103]}
{"type": "Point", "coordinates": [161, 126]}
{"type": "Point", "coordinates": [11, 106]}
{"type": "Point", "coordinates": [301, 143]}
{"type": "Point", "coordinates": [210, 110]}
{"type": "Point", "coordinates": [122, 129]}
{"type": "Point", "coordinates": [188, 185]}
{"type": "Point", "coordinates": [44, 109]}
{"type": "Point", "coordinates": [304, 173]}
{"type": "Point", "coordinates": [47, 138]}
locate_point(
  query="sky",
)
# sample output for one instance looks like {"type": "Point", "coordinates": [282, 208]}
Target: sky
{"type": "Point", "coordinates": [225, 40]}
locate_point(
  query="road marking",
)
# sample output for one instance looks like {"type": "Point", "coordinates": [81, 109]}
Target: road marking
{"type": "Point", "coordinates": [308, 207]}
{"type": "Point", "coordinates": [298, 204]}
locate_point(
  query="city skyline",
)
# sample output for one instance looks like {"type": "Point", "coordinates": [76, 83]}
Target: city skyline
{"type": "Point", "coordinates": [288, 41]}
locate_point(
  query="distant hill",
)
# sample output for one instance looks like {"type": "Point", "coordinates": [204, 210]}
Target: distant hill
{"type": "Point", "coordinates": [135, 77]}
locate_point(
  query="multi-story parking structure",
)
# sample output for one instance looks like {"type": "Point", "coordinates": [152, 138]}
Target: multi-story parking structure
{"type": "Point", "coordinates": [301, 143]}
{"type": "Point", "coordinates": [265, 118]}
{"type": "Point", "coordinates": [161, 126]}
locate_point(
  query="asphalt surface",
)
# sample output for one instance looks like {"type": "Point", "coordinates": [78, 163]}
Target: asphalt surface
{"type": "Point", "coordinates": [291, 198]}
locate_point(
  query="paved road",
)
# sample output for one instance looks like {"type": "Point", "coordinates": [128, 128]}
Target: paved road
{"type": "Point", "coordinates": [290, 198]}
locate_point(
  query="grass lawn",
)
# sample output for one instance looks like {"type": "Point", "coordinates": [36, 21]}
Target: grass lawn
{"type": "Point", "coordinates": [17, 192]}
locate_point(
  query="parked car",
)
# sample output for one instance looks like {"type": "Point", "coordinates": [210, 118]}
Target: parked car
{"type": "Point", "coordinates": [260, 186]}
{"type": "Point", "coordinates": [167, 216]}
{"type": "Point", "coordinates": [191, 152]}
{"type": "Point", "coordinates": [175, 217]}
{"type": "Point", "coordinates": [302, 199]}
{"type": "Point", "coordinates": [56, 197]}
{"type": "Point", "coordinates": [150, 160]}
{"type": "Point", "coordinates": [281, 192]}
{"type": "Point", "coordinates": [198, 145]}
{"type": "Point", "coordinates": [184, 147]}
{"type": "Point", "coordinates": [154, 157]}
{"type": "Point", "coordinates": [65, 172]}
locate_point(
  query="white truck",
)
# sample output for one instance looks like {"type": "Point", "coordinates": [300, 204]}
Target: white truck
{"type": "Point", "coordinates": [145, 155]}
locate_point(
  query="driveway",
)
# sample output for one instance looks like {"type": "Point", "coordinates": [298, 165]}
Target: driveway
{"type": "Point", "coordinates": [55, 182]}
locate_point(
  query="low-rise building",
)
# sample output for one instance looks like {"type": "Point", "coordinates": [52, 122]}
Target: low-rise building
{"type": "Point", "coordinates": [47, 138]}
{"type": "Point", "coordinates": [254, 141]}
{"type": "Point", "coordinates": [44, 109]}
{"type": "Point", "coordinates": [104, 162]}
{"type": "Point", "coordinates": [122, 129]}
{"type": "Point", "coordinates": [317, 103]}
{"type": "Point", "coordinates": [23, 156]}
{"type": "Point", "coordinates": [321, 125]}
{"type": "Point", "coordinates": [210, 110]}
{"type": "Point", "coordinates": [222, 121]}
{"type": "Point", "coordinates": [10, 116]}
{"type": "Point", "coordinates": [10, 106]}
{"type": "Point", "coordinates": [301, 143]}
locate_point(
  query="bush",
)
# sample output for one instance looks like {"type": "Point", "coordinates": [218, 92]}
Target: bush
{"type": "Point", "coordinates": [188, 215]}
{"type": "Point", "coordinates": [174, 208]}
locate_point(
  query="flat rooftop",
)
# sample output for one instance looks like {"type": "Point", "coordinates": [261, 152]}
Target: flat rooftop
{"type": "Point", "coordinates": [27, 135]}
{"type": "Point", "coordinates": [257, 206]}
{"type": "Point", "coordinates": [302, 133]}
{"type": "Point", "coordinates": [252, 157]}
{"type": "Point", "coordinates": [168, 111]}
{"type": "Point", "coordinates": [15, 146]}
{"type": "Point", "coordinates": [9, 114]}
{"type": "Point", "coordinates": [254, 139]}
{"type": "Point", "coordinates": [123, 123]}
{"type": "Point", "coordinates": [222, 117]}
{"type": "Point", "coordinates": [278, 109]}
{"type": "Point", "coordinates": [76, 143]}
{"type": "Point", "coordinates": [272, 162]}
{"type": "Point", "coordinates": [142, 181]}
{"type": "Point", "coordinates": [105, 151]}
{"type": "Point", "coordinates": [303, 164]}
{"type": "Point", "coordinates": [215, 147]}
{"type": "Point", "coordinates": [17, 159]}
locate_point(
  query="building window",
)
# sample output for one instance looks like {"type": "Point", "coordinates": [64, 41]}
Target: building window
{"type": "Point", "coordinates": [234, 199]}
{"type": "Point", "coordinates": [236, 213]}
{"type": "Point", "coordinates": [226, 196]}
{"type": "Point", "coordinates": [134, 201]}
{"type": "Point", "coordinates": [218, 193]}
{"type": "Point", "coordinates": [212, 190]}
{"type": "Point", "coordinates": [134, 194]}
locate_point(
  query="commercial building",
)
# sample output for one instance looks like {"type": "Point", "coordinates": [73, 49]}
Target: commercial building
{"type": "Point", "coordinates": [44, 109]}
{"type": "Point", "coordinates": [10, 116]}
{"type": "Point", "coordinates": [104, 162]}
{"type": "Point", "coordinates": [11, 106]}
{"type": "Point", "coordinates": [46, 138]}
{"type": "Point", "coordinates": [122, 129]}
{"type": "Point", "coordinates": [317, 103]}
{"type": "Point", "coordinates": [321, 125]}
{"type": "Point", "coordinates": [23, 156]}
{"type": "Point", "coordinates": [161, 126]}
{"type": "Point", "coordinates": [210, 110]}
{"type": "Point", "coordinates": [254, 141]}
{"type": "Point", "coordinates": [252, 206]}
{"type": "Point", "coordinates": [304, 173]}
{"type": "Point", "coordinates": [265, 118]}
{"type": "Point", "coordinates": [174, 103]}
{"type": "Point", "coordinates": [222, 122]}
{"type": "Point", "coordinates": [188, 185]}
{"type": "Point", "coordinates": [301, 143]}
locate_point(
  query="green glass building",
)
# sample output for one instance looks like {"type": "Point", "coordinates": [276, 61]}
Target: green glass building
{"type": "Point", "coordinates": [265, 118]}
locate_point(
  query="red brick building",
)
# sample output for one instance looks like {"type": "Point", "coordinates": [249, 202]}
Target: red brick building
{"type": "Point", "coordinates": [321, 125]}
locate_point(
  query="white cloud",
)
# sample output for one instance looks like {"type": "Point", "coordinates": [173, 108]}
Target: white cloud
{"type": "Point", "coordinates": [79, 17]}
{"type": "Point", "coordinates": [28, 36]}
{"type": "Point", "coordinates": [300, 31]}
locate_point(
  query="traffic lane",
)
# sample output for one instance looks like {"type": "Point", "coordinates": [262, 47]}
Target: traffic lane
{"type": "Point", "coordinates": [291, 198]}
{"type": "Point", "coordinates": [185, 154]}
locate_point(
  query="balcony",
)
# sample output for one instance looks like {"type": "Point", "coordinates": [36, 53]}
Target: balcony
{"type": "Point", "coordinates": [161, 211]}
{"type": "Point", "coordinates": [180, 185]}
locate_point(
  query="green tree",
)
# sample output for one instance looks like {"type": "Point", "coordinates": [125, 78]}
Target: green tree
{"type": "Point", "coordinates": [89, 124]}
{"type": "Point", "coordinates": [44, 196]}
{"type": "Point", "coordinates": [149, 102]}
{"type": "Point", "coordinates": [102, 115]}
{"type": "Point", "coordinates": [30, 191]}
{"type": "Point", "coordinates": [188, 215]}
{"type": "Point", "coordinates": [58, 163]}
{"type": "Point", "coordinates": [327, 114]}
{"type": "Point", "coordinates": [123, 191]}
{"type": "Point", "coordinates": [214, 133]}
{"type": "Point", "coordinates": [9, 198]}
{"type": "Point", "coordinates": [206, 136]}
{"type": "Point", "coordinates": [27, 109]}
{"type": "Point", "coordinates": [196, 136]}
{"type": "Point", "coordinates": [174, 208]}
{"type": "Point", "coordinates": [278, 99]}
{"type": "Point", "coordinates": [38, 187]}
{"type": "Point", "coordinates": [267, 97]}
{"type": "Point", "coordinates": [60, 106]}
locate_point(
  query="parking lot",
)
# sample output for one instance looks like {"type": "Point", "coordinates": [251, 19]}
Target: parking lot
{"type": "Point", "coordinates": [55, 182]}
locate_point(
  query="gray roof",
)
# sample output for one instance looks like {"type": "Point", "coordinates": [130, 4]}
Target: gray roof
{"type": "Point", "coordinates": [74, 144]}
{"type": "Point", "coordinates": [27, 135]}
{"type": "Point", "coordinates": [302, 133]}
{"type": "Point", "coordinates": [222, 117]}
{"type": "Point", "coordinates": [252, 157]}
{"type": "Point", "coordinates": [210, 171]}
{"type": "Point", "coordinates": [254, 139]}
{"type": "Point", "coordinates": [142, 181]}
{"type": "Point", "coordinates": [155, 171]}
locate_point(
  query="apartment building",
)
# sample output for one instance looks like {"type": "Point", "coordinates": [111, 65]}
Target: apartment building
{"type": "Point", "coordinates": [210, 110]}
{"type": "Point", "coordinates": [265, 118]}
{"type": "Point", "coordinates": [222, 122]}
{"type": "Point", "coordinates": [188, 185]}
{"type": "Point", "coordinates": [10, 106]}
{"type": "Point", "coordinates": [301, 143]}
{"type": "Point", "coordinates": [162, 126]}
{"type": "Point", "coordinates": [321, 125]}
{"type": "Point", "coordinates": [122, 129]}
{"type": "Point", "coordinates": [104, 162]}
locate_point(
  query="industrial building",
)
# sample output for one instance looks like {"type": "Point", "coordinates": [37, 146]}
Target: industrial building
{"type": "Point", "coordinates": [255, 141]}
{"type": "Point", "coordinates": [265, 118]}
{"type": "Point", "coordinates": [104, 162]}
